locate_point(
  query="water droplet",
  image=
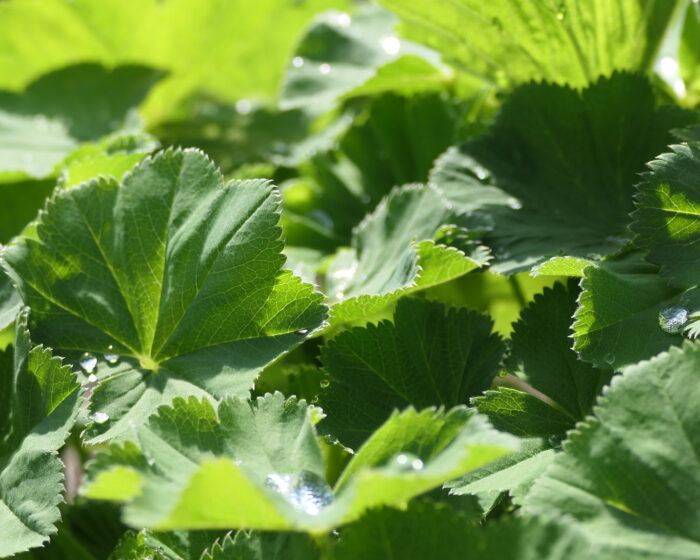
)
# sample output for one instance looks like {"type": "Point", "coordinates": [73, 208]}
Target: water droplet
{"type": "Point", "coordinates": [324, 68]}
{"type": "Point", "coordinates": [408, 462]}
{"type": "Point", "coordinates": [100, 417]}
{"type": "Point", "coordinates": [92, 378]}
{"type": "Point", "coordinates": [391, 45]}
{"type": "Point", "coordinates": [610, 358]}
{"type": "Point", "coordinates": [481, 172]}
{"type": "Point", "coordinates": [514, 203]}
{"type": "Point", "coordinates": [339, 295]}
{"type": "Point", "coordinates": [297, 62]}
{"type": "Point", "coordinates": [305, 491]}
{"type": "Point", "coordinates": [343, 20]}
{"type": "Point", "coordinates": [243, 107]}
{"type": "Point", "coordinates": [88, 362]}
{"type": "Point", "coordinates": [503, 373]}
{"type": "Point", "coordinates": [302, 332]}
{"type": "Point", "coordinates": [324, 383]}
{"type": "Point", "coordinates": [554, 441]}
{"type": "Point", "coordinates": [672, 319]}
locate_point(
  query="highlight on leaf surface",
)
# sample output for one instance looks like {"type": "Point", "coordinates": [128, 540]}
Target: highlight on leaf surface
{"type": "Point", "coordinates": [171, 282]}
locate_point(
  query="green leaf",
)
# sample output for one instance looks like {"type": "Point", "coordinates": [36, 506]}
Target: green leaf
{"type": "Point", "coordinates": [523, 414]}
{"type": "Point", "coordinates": [541, 355]}
{"type": "Point", "coordinates": [630, 477]}
{"type": "Point", "coordinates": [173, 271]}
{"type": "Point", "coordinates": [393, 141]}
{"type": "Point", "coordinates": [429, 356]}
{"type": "Point", "coordinates": [514, 474]}
{"type": "Point", "coordinates": [393, 255]}
{"type": "Point", "coordinates": [39, 404]}
{"type": "Point", "coordinates": [617, 321]}
{"type": "Point", "coordinates": [689, 54]}
{"type": "Point", "coordinates": [569, 161]}
{"type": "Point", "coordinates": [428, 530]}
{"type": "Point", "coordinates": [570, 41]}
{"type": "Point", "coordinates": [667, 218]}
{"type": "Point", "coordinates": [44, 123]}
{"type": "Point", "coordinates": [200, 469]}
{"type": "Point", "coordinates": [255, 545]}
{"type": "Point", "coordinates": [111, 157]}
{"type": "Point", "coordinates": [344, 56]}
{"type": "Point", "coordinates": [191, 39]}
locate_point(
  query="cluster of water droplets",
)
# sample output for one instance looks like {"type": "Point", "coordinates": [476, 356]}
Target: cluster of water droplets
{"type": "Point", "coordinates": [304, 490]}
{"type": "Point", "coordinates": [88, 362]}
{"type": "Point", "coordinates": [408, 462]}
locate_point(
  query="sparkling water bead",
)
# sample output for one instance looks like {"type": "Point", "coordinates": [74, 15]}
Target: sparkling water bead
{"type": "Point", "coordinates": [305, 490]}
{"type": "Point", "coordinates": [672, 319]}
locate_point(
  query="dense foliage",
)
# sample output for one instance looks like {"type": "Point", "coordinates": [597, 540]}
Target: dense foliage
{"type": "Point", "coordinates": [325, 279]}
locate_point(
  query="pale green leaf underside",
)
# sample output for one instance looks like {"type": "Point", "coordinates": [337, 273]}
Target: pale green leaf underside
{"type": "Point", "coordinates": [211, 474]}
{"type": "Point", "coordinates": [39, 406]}
{"type": "Point", "coordinates": [631, 475]}
{"type": "Point", "coordinates": [171, 270]}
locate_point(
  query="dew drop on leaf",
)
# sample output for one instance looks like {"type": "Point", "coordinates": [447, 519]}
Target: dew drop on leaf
{"type": "Point", "coordinates": [110, 357]}
{"type": "Point", "coordinates": [324, 383]}
{"type": "Point", "coordinates": [610, 358]}
{"type": "Point", "coordinates": [92, 378]}
{"type": "Point", "coordinates": [297, 62]}
{"type": "Point", "coordinates": [344, 20]}
{"type": "Point", "coordinates": [672, 319]}
{"type": "Point", "coordinates": [88, 362]}
{"type": "Point", "coordinates": [324, 68]}
{"type": "Point", "coordinates": [408, 462]}
{"type": "Point", "coordinates": [100, 417]}
{"type": "Point", "coordinates": [302, 332]}
{"type": "Point", "coordinates": [391, 45]}
{"type": "Point", "coordinates": [306, 491]}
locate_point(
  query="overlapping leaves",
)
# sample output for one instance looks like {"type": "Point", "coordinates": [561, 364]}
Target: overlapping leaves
{"type": "Point", "coordinates": [429, 356]}
{"type": "Point", "coordinates": [630, 476]}
{"type": "Point", "coordinates": [259, 465]}
{"type": "Point", "coordinates": [171, 271]}
{"type": "Point", "coordinates": [555, 154]}
{"type": "Point", "coordinates": [38, 405]}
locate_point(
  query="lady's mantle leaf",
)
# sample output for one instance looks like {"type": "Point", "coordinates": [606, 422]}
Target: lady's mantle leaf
{"type": "Point", "coordinates": [631, 475]}
{"type": "Point", "coordinates": [173, 271]}
{"type": "Point", "coordinates": [617, 321]}
{"type": "Point", "coordinates": [667, 219]}
{"type": "Point", "coordinates": [569, 161]}
{"type": "Point", "coordinates": [393, 254]}
{"type": "Point", "coordinates": [342, 56]}
{"type": "Point", "coordinates": [541, 355]}
{"type": "Point", "coordinates": [430, 530]}
{"type": "Point", "coordinates": [569, 41]}
{"type": "Point", "coordinates": [38, 405]}
{"type": "Point", "coordinates": [258, 465]}
{"type": "Point", "coordinates": [429, 356]}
